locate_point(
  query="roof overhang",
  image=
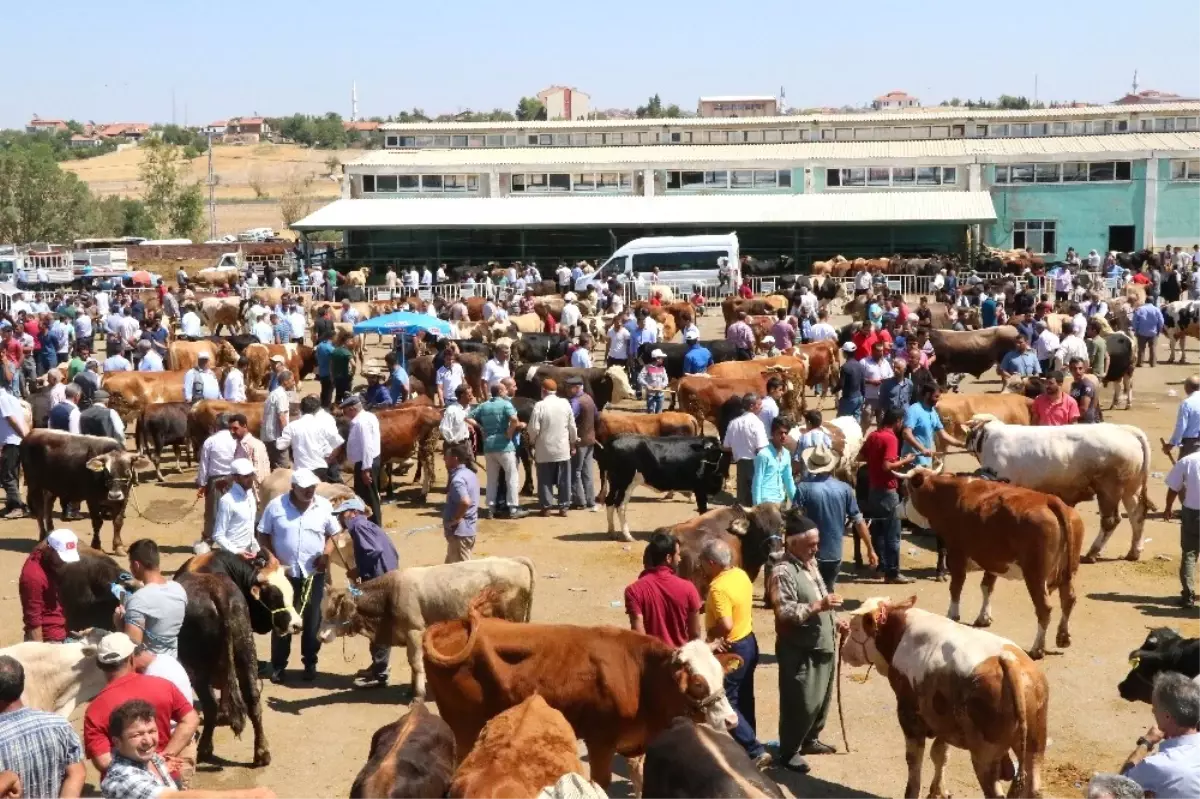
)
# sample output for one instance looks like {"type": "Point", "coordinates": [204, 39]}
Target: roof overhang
{"type": "Point", "coordinates": [893, 207]}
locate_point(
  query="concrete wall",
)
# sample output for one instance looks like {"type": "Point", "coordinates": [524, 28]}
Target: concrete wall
{"type": "Point", "coordinates": [1178, 212]}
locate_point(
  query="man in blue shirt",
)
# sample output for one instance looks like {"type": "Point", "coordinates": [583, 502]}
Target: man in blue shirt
{"type": "Point", "coordinates": [772, 480]}
{"type": "Point", "coordinates": [921, 424]}
{"type": "Point", "coordinates": [398, 383]}
{"type": "Point", "coordinates": [497, 423]}
{"type": "Point", "coordinates": [987, 312]}
{"type": "Point", "coordinates": [1148, 324]}
{"type": "Point", "coordinates": [697, 359]}
{"type": "Point", "coordinates": [1174, 770]}
{"type": "Point", "coordinates": [851, 401]}
{"type": "Point", "coordinates": [1027, 327]}
{"type": "Point", "coordinates": [633, 323]}
{"type": "Point", "coordinates": [1186, 435]}
{"type": "Point", "coordinates": [830, 503]}
{"type": "Point", "coordinates": [896, 391]}
{"type": "Point", "coordinates": [324, 352]}
{"type": "Point", "coordinates": [1022, 361]}
{"type": "Point", "coordinates": [374, 556]}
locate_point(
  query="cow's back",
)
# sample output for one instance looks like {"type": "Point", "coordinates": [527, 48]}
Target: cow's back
{"type": "Point", "coordinates": [694, 760]}
{"type": "Point", "coordinates": [413, 756]}
{"type": "Point", "coordinates": [429, 594]}
{"type": "Point", "coordinates": [58, 677]}
{"type": "Point", "coordinates": [1055, 459]}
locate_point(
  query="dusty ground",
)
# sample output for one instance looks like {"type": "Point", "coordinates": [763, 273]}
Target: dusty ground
{"type": "Point", "coordinates": [319, 734]}
{"type": "Point", "coordinates": [272, 168]}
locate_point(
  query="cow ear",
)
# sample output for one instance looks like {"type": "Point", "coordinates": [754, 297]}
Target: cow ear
{"type": "Point", "coordinates": [255, 591]}
{"type": "Point", "coordinates": [97, 464]}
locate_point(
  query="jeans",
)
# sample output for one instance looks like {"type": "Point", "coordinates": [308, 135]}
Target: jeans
{"type": "Point", "coordinates": [310, 616]}
{"type": "Point", "coordinates": [739, 689]}
{"type": "Point", "coordinates": [885, 529]}
{"type": "Point", "coordinates": [583, 489]}
{"type": "Point", "coordinates": [829, 570]}
{"type": "Point", "coordinates": [1189, 543]}
{"type": "Point", "coordinates": [342, 387]}
{"type": "Point", "coordinates": [1144, 343]}
{"type": "Point", "coordinates": [497, 463]}
{"type": "Point", "coordinates": [10, 461]}
{"type": "Point", "coordinates": [550, 475]}
{"type": "Point", "coordinates": [851, 406]}
{"type": "Point", "coordinates": [654, 401]}
{"type": "Point", "coordinates": [369, 492]}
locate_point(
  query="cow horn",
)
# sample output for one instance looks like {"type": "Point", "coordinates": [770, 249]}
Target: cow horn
{"type": "Point", "coordinates": [939, 464]}
{"type": "Point", "coordinates": [906, 475]}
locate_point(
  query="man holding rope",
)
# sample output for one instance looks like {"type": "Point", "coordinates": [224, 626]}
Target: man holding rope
{"type": "Point", "coordinates": [804, 645]}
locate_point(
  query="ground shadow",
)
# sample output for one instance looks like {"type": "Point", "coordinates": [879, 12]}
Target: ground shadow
{"type": "Point", "coordinates": [1166, 607]}
{"type": "Point", "coordinates": [216, 764]}
{"type": "Point", "coordinates": [808, 785]}
{"type": "Point", "coordinates": [20, 545]}
{"type": "Point", "coordinates": [601, 535]}
{"type": "Point", "coordinates": [339, 694]}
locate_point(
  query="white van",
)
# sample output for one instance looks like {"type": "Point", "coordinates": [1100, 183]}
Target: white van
{"type": "Point", "coordinates": [687, 260]}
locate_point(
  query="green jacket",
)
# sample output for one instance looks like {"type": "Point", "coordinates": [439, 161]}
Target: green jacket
{"type": "Point", "coordinates": [796, 625]}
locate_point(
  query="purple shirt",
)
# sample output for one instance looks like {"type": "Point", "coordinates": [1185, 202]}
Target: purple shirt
{"type": "Point", "coordinates": [740, 336]}
{"type": "Point", "coordinates": [463, 484]}
{"type": "Point", "coordinates": [783, 334]}
{"type": "Point", "coordinates": [374, 553]}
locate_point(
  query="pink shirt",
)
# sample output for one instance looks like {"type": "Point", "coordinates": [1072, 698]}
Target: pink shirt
{"type": "Point", "coordinates": [1052, 414]}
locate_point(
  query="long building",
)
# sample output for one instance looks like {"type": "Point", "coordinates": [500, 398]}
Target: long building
{"type": "Point", "coordinates": [1098, 177]}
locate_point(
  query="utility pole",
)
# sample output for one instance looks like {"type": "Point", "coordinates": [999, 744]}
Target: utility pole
{"type": "Point", "coordinates": [212, 186]}
{"type": "Point", "coordinates": [172, 105]}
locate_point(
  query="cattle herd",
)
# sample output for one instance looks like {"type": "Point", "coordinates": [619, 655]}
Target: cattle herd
{"type": "Point", "coordinates": [513, 695]}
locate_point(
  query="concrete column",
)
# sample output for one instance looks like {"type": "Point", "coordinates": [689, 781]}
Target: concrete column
{"type": "Point", "coordinates": [974, 177]}
{"type": "Point", "coordinates": [1150, 211]}
{"type": "Point", "coordinates": [647, 182]}
{"type": "Point", "coordinates": [492, 184]}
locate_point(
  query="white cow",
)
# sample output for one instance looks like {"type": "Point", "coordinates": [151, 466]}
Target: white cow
{"type": "Point", "coordinates": [847, 436]}
{"type": "Point", "coordinates": [58, 677]}
{"type": "Point", "coordinates": [1108, 462]}
{"type": "Point", "coordinates": [397, 607]}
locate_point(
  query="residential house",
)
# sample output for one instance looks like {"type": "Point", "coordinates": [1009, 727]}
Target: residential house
{"type": "Point", "coordinates": [82, 141]}
{"type": "Point", "coordinates": [1150, 96]}
{"type": "Point", "coordinates": [563, 102]}
{"type": "Point", "coordinates": [248, 126]}
{"type": "Point", "coordinates": [362, 127]}
{"type": "Point", "coordinates": [895, 101]}
{"type": "Point", "coordinates": [39, 125]}
{"type": "Point", "coordinates": [129, 131]}
{"type": "Point", "coordinates": [216, 129]}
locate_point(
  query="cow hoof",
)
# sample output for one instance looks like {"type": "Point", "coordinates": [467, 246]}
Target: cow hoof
{"type": "Point", "coordinates": [1088, 558]}
{"type": "Point", "coordinates": [117, 550]}
{"type": "Point", "coordinates": [624, 536]}
{"type": "Point", "coordinates": [1063, 640]}
{"type": "Point", "coordinates": [206, 755]}
{"type": "Point", "coordinates": [1037, 654]}
{"type": "Point", "coordinates": [1133, 555]}
{"type": "Point", "coordinates": [262, 759]}
{"type": "Point", "coordinates": [983, 621]}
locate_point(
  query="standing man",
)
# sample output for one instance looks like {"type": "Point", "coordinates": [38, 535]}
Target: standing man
{"type": "Point", "coordinates": [554, 437]}
{"type": "Point", "coordinates": [151, 361]}
{"type": "Point", "coordinates": [498, 366]}
{"type": "Point", "coordinates": [804, 627]}
{"type": "Point", "coordinates": [460, 514]}
{"type": "Point", "coordinates": [741, 336]}
{"type": "Point", "coordinates": [744, 437]}
{"type": "Point", "coordinates": [235, 381]}
{"type": "Point", "coordinates": [660, 603]}
{"type": "Point", "coordinates": [831, 505]}
{"type": "Point", "coordinates": [41, 748]}
{"type": "Point", "coordinates": [1186, 434]}
{"type": "Point", "coordinates": [851, 401]}
{"type": "Point", "coordinates": [773, 480]}
{"type": "Point", "coordinates": [770, 403]}
{"type": "Point", "coordinates": [1184, 481]}
{"type": "Point", "coordinates": [233, 525]}
{"type": "Point", "coordinates": [12, 431]}
{"type": "Point", "coordinates": [276, 415]}
{"type": "Point", "coordinates": [730, 629]}
{"type": "Point", "coordinates": [1147, 325]}
{"type": "Point", "coordinates": [374, 556]}
{"type": "Point", "coordinates": [881, 453]}
{"type": "Point", "coordinates": [100, 420]}
{"type": "Point", "coordinates": [497, 423]}
{"type": "Point", "coordinates": [1054, 407]}
{"type": "Point", "coordinates": [217, 455]}
{"type": "Point", "coordinates": [876, 369]}
{"type": "Point", "coordinates": [298, 529]}
{"type": "Point", "coordinates": [65, 415]}
{"type": "Point", "coordinates": [1021, 362]}
{"type": "Point", "coordinates": [698, 358]}
{"type": "Point", "coordinates": [922, 425]}
{"type": "Point", "coordinates": [324, 356]}
{"type": "Point", "coordinates": [340, 366]}
{"type": "Point", "coordinates": [200, 382]}
{"type": "Point", "coordinates": [583, 492]}
{"type": "Point", "coordinates": [152, 615]}
{"type": "Point", "coordinates": [41, 604]}
{"type": "Point", "coordinates": [312, 443]}
{"type": "Point", "coordinates": [362, 449]}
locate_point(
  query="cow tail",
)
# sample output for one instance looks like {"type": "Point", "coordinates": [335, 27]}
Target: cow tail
{"type": "Point", "coordinates": [1013, 680]}
{"type": "Point", "coordinates": [1144, 500]}
{"type": "Point", "coordinates": [1070, 532]}
{"type": "Point", "coordinates": [528, 564]}
{"type": "Point", "coordinates": [139, 435]}
{"type": "Point", "coordinates": [233, 704]}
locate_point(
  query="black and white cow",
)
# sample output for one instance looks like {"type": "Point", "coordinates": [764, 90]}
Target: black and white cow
{"type": "Point", "coordinates": [1182, 319]}
{"type": "Point", "coordinates": [721, 350]}
{"type": "Point", "coordinates": [539, 347]}
{"type": "Point", "coordinates": [1163, 650]}
{"type": "Point", "coordinates": [1120, 367]}
{"type": "Point", "coordinates": [684, 463]}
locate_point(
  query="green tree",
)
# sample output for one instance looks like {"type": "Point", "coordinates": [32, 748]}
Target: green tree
{"type": "Point", "coordinates": [653, 108]}
{"type": "Point", "coordinates": [120, 216]}
{"type": "Point", "coordinates": [415, 115]}
{"type": "Point", "coordinates": [38, 200]}
{"type": "Point", "coordinates": [530, 109]}
{"type": "Point", "coordinates": [175, 205]}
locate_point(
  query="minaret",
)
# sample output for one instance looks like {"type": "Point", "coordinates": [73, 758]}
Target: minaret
{"type": "Point", "coordinates": [1135, 83]}
{"type": "Point", "coordinates": [354, 101]}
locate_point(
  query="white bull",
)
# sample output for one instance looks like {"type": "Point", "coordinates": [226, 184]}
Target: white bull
{"type": "Point", "coordinates": [59, 677]}
{"type": "Point", "coordinates": [397, 607]}
{"type": "Point", "coordinates": [1108, 462]}
{"type": "Point", "coordinates": [847, 436]}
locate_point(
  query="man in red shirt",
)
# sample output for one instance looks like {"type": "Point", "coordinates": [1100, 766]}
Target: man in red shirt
{"type": "Point", "coordinates": [660, 603]}
{"type": "Point", "coordinates": [41, 606]}
{"type": "Point", "coordinates": [115, 656]}
{"type": "Point", "coordinates": [1055, 407]}
{"type": "Point", "coordinates": [863, 340]}
{"type": "Point", "coordinates": [881, 453]}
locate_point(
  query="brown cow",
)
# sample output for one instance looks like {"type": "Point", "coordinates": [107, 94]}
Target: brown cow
{"type": "Point", "coordinates": [616, 688]}
{"type": "Point", "coordinates": [955, 410]}
{"type": "Point", "coordinates": [161, 424]}
{"type": "Point", "coordinates": [202, 419]}
{"type": "Point", "coordinates": [410, 757]}
{"type": "Point", "coordinates": [957, 685]}
{"type": "Point", "coordinates": [759, 306]}
{"type": "Point", "coordinates": [475, 308]}
{"type": "Point", "coordinates": [218, 312]}
{"type": "Point", "coordinates": [183, 355]}
{"type": "Point", "coordinates": [753, 535]}
{"type": "Point", "coordinates": [703, 397]}
{"type": "Point", "coordinates": [518, 753]}
{"type": "Point", "coordinates": [972, 352]}
{"type": "Point", "coordinates": [407, 430]}
{"type": "Point", "coordinates": [130, 392]}
{"type": "Point", "coordinates": [997, 526]}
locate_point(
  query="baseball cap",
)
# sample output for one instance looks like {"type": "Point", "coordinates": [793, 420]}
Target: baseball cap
{"type": "Point", "coordinates": [276, 359]}
{"type": "Point", "coordinates": [65, 543]}
{"type": "Point", "coordinates": [242, 467]}
{"type": "Point", "coordinates": [304, 478]}
{"type": "Point", "coordinates": [691, 335]}
{"type": "Point", "coordinates": [99, 395]}
{"type": "Point", "coordinates": [203, 356]}
{"type": "Point", "coordinates": [351, 400]}
{"type": "Point", "coordinates": [574, 380]}
{"type": "Point", "coordinates": [658, 354]}
{"type": "Point", "coordinates": [114, 648]}
{"type": "Point", "coordinates": [849, 347]}
{"type": "Point", "coordinates": [354, 503]}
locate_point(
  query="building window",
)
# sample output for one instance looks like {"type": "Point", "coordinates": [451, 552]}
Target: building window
{"type": "Point", "coordinates": [754, 137]}
{"type": "Point", "coordinates": [741, 179]}
{"type": "Point", "coordinates": [1020, 173]}
{"type": "Point", "coordinates": [772, 136]}
{"type": "Point", "coordinates": [441, 141]}
{"type": "Point", "coordinates": [457, 183]}
{"type": "Point", "coordinates": [921, 132]}
{"type": "Point", "coordinates": [939, 132]}
{"type": "Point", "coordinates": [391, 141]}
{"type": "Point", "coordinates": [458, 141]}
{"type": "Point", "coordinates": [368, 184]}
{"type": "Point", "coordinates": [1069, 172]}
{"type": "Point", "coordinates": [1019, 129]}
{"type": "Point", "coordinates": [578, 139]}
{"type": "Point", "coordinates": [517, 183]}
{"type": "Point", "coordinates": [532, 139]}
{"type": "Point", "coordinates": [1036, 236]}
{"type": "Point", "coordinates": [562, 139]}
{"type": "Point", "coordinates": [408, 183]}
{"type": "Point", "coordinates": [595, 139]}
{"type": "Point", "coordinates": [854, 177]}
{"type": "Point", "coordinates": [879, 176]}
{"type": "Point", "coordinates": [1046, 173]}
{"type": "Point", "coordinates": [785, 178]}
{"type": "Point", "coordinates": [1102, 171]}
{"type": "Point", "coordinates": [1059, 128]}
{"type": "Point", "coordinates": [904, 176]}
{"type": "Point", "coordinates": [792, 134]}
{"type": "Point", "coordinates": [545, 139]}
{"type": "Point", "coordinates": [385, 184]}
{"type": "Point", "coordinates": [1180, 170]}
{"type": "Point", "coordinates": [431, 182]}
{"type": "Point", "coordinates": [1074, 172]}
{"type": "Point", "coordinates": [1037, 129]}
{"type": "Point", "coordinates": [958, 131]}
{"type": "Point", "coordinates": [843, 134]}
{"type": "Point", "coordinates": [949, 175]}
{"type": "Point", "coordinates": [614, 138]}
{"type": "Point", "coordinates": [510, 140]}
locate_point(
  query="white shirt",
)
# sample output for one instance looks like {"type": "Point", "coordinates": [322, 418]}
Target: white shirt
{"type": "Point", "coordinates": [649, 334]}
{"type": "Point", "coordinates": [822, 331]}
{"type": "Point", "coordinates": [1185, 476]}
{"type": "Point", "coordinates": [310, 442]}
{"type": "Point", "coordinates": [151, 362]}
{"type": "Point", "coordinates": [264, 332]}
{"type": "Point", "coordinates": [117, 363]}
{"type": "Point", "coordinates": [581, 358]}
{"type": "Point", "coordinates": [570, 315]}
{"type": "Point", "coordinates": [217, 456]}
{"type": "Point", "coordinates": [1045, 345]}
{"type": "Point", "coordinates": [10, 408]}
{"type": "Point", "coordinates": [618, 346]}
{"type": "Point", "coordinates": [745, 436]}
{"type": "Point", "coordinates": [862, 281]}
{"type": "Point", "coordinates": [298, 537]}
{"type": "Point", "coordinates": [552, 430]}
{"type": "Point", "coordinates": [617, 305]}
{"type": "Point", "coordinates": [58, 394]}
{"type": "Point", "coordinates": [411, 278]}
{"type": "Point", "coordinates": [102, 302]}
{"type": "Point", "coordinates": [277, 402]}
{"type": "Point", "coordinates": [494, 372]}
{"type": "Point", "coordinates": [426, 278]}
{"type": "Point", "coordinates": [391, 280]}
{"type": "Point", "coordinates": [210, 388]}
{"type": "Point", "coordinates": [73, 421]}
{"type": "Point", "coordinates": [875, 370]}
{"type": "Point", "coordinates": [1079, 324]}
{"type": "Point", "coordinates": [808, 304]}
{"type": "Point", "coordinates": [235, 385]}
{"type": "Point", "coordinates": [363, 444]}
{"type": "Point", "coordinates": [770, 409]}
{"type": "Point", "coordinates": [170, 669]}
{"type": "Point", "coordinates": [1072, 346]}
{"type": "Point", "coordinates": [692, 330]}
{"type": "Point", "coordinates": [299, 323]}
{"type": "Point", "coordinates": [233, 523]}
{"type": "Point", "coordinates": [449, 379]}
{"type": "Point", "coordinates": [189, 324]}
{"type": "Point", "coordinates": [454, 423]}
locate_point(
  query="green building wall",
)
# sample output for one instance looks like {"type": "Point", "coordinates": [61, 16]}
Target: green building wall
{"type": "Point", "coordinates": [1178, 214]}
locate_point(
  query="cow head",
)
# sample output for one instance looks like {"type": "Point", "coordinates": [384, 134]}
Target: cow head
{"type": "Point", "coordinates": [713, 465]}
{"type": "Point", "coordinates": [274, 592]}
{"type": "Point", "coordinates": [916, 478]}
{"type": "Point", "coordinates": [339, 615]}
{"type": "Point", "coordinates": [976, 428]}
{"type": "Point", "coordinates": [119, 471]}
{"type": "Point", "coordinates": [621, 388]}
{"type": "Point", "coordinates": [761, 532]}
{"type": "Point", "coordinates": [859, 648]}
{"type": "Point", "coordinates": [1146, 662]}
{"type": "Point", "coordinates": [701, 678]}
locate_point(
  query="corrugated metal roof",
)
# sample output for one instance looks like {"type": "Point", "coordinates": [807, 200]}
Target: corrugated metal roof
{"type": "Point", "coordinates": [919, 114]}
{"type": "Point", "coordinates": [831, 208]}
{"type": "Point", "coordinates": [635, 156]}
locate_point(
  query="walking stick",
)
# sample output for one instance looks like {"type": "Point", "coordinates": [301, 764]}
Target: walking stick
{"type": "Point", "coordinates": [1163, 441]}
{"type": "Point", "coordinates": [838, 677]}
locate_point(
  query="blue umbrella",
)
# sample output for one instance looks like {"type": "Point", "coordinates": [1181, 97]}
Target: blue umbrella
{"type": "Point", "coordinates": [405, 322]}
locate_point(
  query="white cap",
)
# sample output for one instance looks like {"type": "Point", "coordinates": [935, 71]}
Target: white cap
{"type": "Point", "coordinates": [849, 347]}
{"type": "Point", "coordinates": [570, 296]}
{"type": "Point", "coordinates": [114, 648]}
{"type": "Point", "coordinates": [65, 543]}
{"type": "Point", "coordinates": [658, 354]}
{"type": "Point", "coordinates": [691, 335]}
{"type": "Point", "coordinates": [242, 467]}
{"type": "Point", "coordinates": [276, 359]}
{"type": "Point", "coordinates": [765, 339]}
{"type": "Point", "coordinates": [203, 356]}
{"type": "Point", "coordinates": [304, 478]}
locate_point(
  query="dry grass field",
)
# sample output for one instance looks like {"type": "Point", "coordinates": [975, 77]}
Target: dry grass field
{"type": "Point", "coordinates": [250, 179]}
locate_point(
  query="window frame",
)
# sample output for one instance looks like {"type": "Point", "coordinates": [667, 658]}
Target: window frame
{"type": "Point", "coordinates": [1185, 169]}
{"type": "Point", "coordinates": [381, 180]}
{"type": "Point", "coordinates": [1026, 231]}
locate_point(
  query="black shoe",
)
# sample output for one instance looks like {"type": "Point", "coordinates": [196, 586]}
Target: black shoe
{"type": "Point", "coordinates": [518, 513]}
{"type": "Point", "coordinates": [1188, 600]}
{"type": "Point", "coordinates": [372, 681]}
{"type": "Point", "coordinates": [310, 673]}
{"type": "Point", "coordinates": [279, 677]}
{"type": "Point", "coordinates": [798, 764]}
{"type": "Point", "coordinates": [899, 579]}
{"type": "Point", "coordinates": [817, 748]}
{"type": "Point", "coordinates": [486, 513]}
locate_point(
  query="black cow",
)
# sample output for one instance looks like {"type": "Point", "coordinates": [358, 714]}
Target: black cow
{"type": "Point", "coordinates": [266, 590]}
{"type": "Point", "coordinates": [86, 587]}
{"type": "Point", "coordinates": [694, 760]}
{"type": "Point", "coordinates": [684, 463]}
{"type": "Point", "coordinates": [413, 756]}
{"type": "Point", "coordinates": [477, 347]}
{"type": "Point", "coordinates": [39, 403]}
{"type": "Point", "coordinates": [1163, 650]}
{"type": "Point", "coordinates": [216, 647]}
{"type": "Point", "coordinates": [721, 350]}
{"type": "Point", "coordinates": [78, 469]}
{"type": "Point", "coordinates": [239, 341]}
{"type": "Point", "coordinates": [1120, 366]}
{"type": "Point", "coordinates": [604, 385]}
{"type": "Point", "coordinates": [164, 423]}
{"type": "Point", "coordinates": [538, 347]}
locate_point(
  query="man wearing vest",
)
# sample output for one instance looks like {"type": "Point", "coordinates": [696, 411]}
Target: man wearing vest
{"type": "Point", "coordinates": [88, 381]}
{"type": "Point", "coordinates": [65, 416]}
{"type": "Point", "coordinates": [100, 420]}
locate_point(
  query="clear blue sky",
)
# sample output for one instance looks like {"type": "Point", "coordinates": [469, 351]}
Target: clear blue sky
{"type": "Point", "coordinates": [120, 60]}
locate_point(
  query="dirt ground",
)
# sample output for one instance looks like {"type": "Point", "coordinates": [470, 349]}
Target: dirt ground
{"type": "Point", "coordinates": [319, 733]}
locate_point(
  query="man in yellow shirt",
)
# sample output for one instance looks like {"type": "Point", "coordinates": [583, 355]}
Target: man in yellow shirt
{"type": "Point", "coordinates": [730, 629]}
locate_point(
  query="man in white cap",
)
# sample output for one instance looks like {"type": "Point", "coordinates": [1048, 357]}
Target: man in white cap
{"type": "Point", "coordinates": [362, 450]}
{"type": "Point", "coordinates": [374, 556]}
{"type": "Point", "coordinates": [851, 401]}
{"type": "Point", "coordinates": [115, 657]}
{"type": "Point", "coordinates": [232, 441]}
{"type": "Point", "coordinates": [41, 604]}
{"type": "Point", "coordinates": [200, 382]}
{"type": "Point", "coordinates": [233, 523]}
{"type": "Point", "coordinates": [276, 414]}
{"type": "Point", "coordinates": [298, 529]}
{"type": "Point", "coordinates": [568, 320]}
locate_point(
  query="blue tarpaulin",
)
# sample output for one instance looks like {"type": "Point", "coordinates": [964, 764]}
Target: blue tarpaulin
{"type": "Point", "coordinates": [405, 322]}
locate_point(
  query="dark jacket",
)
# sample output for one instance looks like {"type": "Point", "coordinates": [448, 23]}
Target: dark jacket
{"type": "Point", "coordinates": [97, 421]}
{"type": "Point", "coordinates": [585, 419]}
